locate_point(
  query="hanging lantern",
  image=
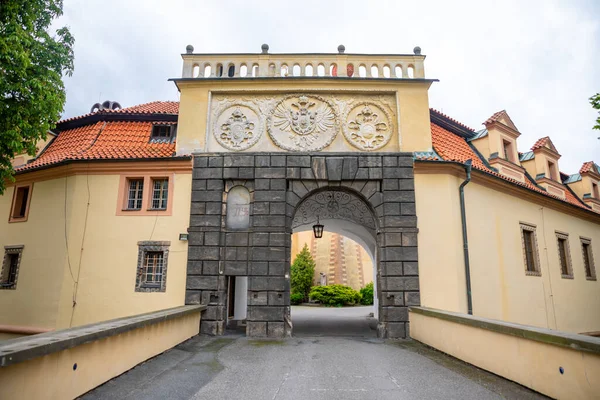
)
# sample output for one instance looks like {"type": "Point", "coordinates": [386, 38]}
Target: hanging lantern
{"type": "Point", "coordinates": [318, 229]}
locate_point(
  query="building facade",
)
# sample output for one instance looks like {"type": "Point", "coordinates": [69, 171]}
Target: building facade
{"type": "Point", "coordinates": [131, 210]}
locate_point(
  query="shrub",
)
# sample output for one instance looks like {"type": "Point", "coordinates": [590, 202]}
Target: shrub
{"type": "Point", "coordinates": [367, 295]}
{"type": "Point", "coordinates": [296, 298]}
{"type": "Point", "coordinates": [302, 271]}
{"type": "Point", "coordinates": [335, 295]}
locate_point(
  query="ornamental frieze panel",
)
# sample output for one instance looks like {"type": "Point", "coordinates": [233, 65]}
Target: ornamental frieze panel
{"type": "Point", "coordinates": [304, 122]}
{"type": "Point", "coordinates": [237, 127]}
{"type": "Point", "coordinates": [368, 126]}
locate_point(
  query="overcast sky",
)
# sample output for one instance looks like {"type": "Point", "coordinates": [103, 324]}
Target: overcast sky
{"type": "Point", "coordinates": [539, 60]}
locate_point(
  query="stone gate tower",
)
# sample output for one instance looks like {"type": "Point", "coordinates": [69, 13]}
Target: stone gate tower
{"type": "Point", "coordinates": [281, 140]}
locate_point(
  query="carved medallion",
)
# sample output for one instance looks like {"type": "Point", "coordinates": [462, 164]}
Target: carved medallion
{"type": "Point", "coordinates": [333, 204]}
{"type": "Point", "coordinates": [237, 127]}
{"type": "Point", "coordinates": [368, 127]}
{"type": "Point", "coordinates": [303, 123]}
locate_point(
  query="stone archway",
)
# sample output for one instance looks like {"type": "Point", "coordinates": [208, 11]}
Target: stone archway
{"type": "Point", "coordinates": [343, 211]}
{"type": "Point", "coordinates": [281, 184]}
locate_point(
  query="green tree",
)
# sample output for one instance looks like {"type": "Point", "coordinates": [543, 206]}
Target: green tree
{"type": "Point", "coordinates": [302, 272]}
{"type": "Point", "coordinates": [595, 102]}
{"type": "Point", "coordinates": [32, 63]}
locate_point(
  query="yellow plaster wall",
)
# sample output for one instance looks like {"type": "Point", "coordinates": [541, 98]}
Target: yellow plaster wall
{"type": "Point", "coordinates": [483, 145]}
{"type": "Point", "coordinates": [103, 253]}
{"type": "Point", "coordinates": [501, 289]}
{"type": "Point", "coordinates": [35, 301]}
{"type": "Point", "coordinates": [538, 363]}
{"type": "Point", "coordinates": [106, 287]}
{"type": "Point", "coordinates": [53, 377]}
{"type": "Point", "coordinates": [411, 97]}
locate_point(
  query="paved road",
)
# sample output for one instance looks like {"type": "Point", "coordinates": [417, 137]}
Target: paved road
{"type": "Point", "coordinates": [308, 367]}
{"type": "Point", "coordinates": [317, 321]}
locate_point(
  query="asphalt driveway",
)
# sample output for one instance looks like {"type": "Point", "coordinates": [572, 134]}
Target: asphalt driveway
{"type": "Point", "coordinates": [351, 364]}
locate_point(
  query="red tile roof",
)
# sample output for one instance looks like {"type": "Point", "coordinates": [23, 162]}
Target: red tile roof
{"type": "Point", "coordinates": [154, 107]}
{"type": "Point", "coordinates": [494, 117]}
{"type": "Point", "coordinates": [452, 147]}
{"type": "Point", "coordinates": [102, 141]}
{"type": "Point", "coordinates": [452, 119]}
{"type": "Point", "coordinates": [540, 143]}
{"type": "Point", "coordinates": [587, 167]}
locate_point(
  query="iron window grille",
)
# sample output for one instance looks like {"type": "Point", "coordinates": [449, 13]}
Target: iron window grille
{"type": "Point", "coordinates": [588, 259]}
{"type": "Point", "coordinates": [564, 255]}
{"type": "Point", "coordinates": [135, 194]}
{"type": "Point", "coordinates": [530, 250]}
{"type": "Point", "coordinates": [152, 266]}
{"type": "Point", "coordinates": [10, 267]}
{"type": "Point", "coordinates": [160, 194]}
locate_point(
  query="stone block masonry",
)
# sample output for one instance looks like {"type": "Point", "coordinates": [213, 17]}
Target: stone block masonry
{"type": "Point", "coordinates": [278, 183]}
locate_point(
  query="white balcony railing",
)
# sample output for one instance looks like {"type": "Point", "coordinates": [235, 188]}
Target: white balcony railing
{"type": "Point", "coordinates": [251, 65]}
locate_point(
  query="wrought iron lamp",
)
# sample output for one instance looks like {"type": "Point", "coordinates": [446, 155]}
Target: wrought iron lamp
{"type": "Point", "coordinates": [318, 229]}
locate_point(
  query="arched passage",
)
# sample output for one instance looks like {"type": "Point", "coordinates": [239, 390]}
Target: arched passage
{"type": "Point", "coordinates": [374, 204]}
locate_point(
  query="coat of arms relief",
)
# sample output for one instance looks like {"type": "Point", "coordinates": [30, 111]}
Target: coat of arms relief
{"type": "Point", "coordinates": [302, 122]}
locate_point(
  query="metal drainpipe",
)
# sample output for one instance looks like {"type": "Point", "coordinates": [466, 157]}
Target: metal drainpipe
{"type": "Point", "coordinates": [463, 218]}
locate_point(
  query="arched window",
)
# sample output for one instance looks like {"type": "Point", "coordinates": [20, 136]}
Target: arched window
{"type": "Point", "coordinates": [362, 71]}
{"type": "Point", "coordinates": [255, 70]}
{"type": "Point", "coordinates": [308, 70]}
{"type": "Point", "coordinates": [207, 71]}
{"type": "Point", "coordinates": [386, 71]}
{"type": "Point", "coordinates": [321, 70]}
{"type": "Point", "coordinates": [195, 71]}
{"type": "Point", "coordinates": [296, 70]}
{"type": "Point", "coordinates": [243, 71]}
{"type": "Point", "coordinates": [411, 71]}
{"type": "Point", "coordinates": [375, 71]}
{"type": "Point", "coordinates": [398, 71]}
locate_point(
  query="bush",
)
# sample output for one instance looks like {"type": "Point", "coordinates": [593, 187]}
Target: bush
{"type": "Point", "coordinates": [302, 271]}
{"type": "Point", "coordinates": [296, 298]}
{"type": "Point", "coordinates": [366, 294]}
{"type": "Point", "coordinates": [335, 295]}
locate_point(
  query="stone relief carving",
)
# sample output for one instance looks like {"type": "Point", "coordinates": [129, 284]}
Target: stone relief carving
{"type": "Point", "coordinates": [238, 127]}
{"type": "Point", "coordinates": [368, 127]}
{"type": "Point", "coordinates": [303, 123]}
{"type": "Point", "coordinates": [333, 204]}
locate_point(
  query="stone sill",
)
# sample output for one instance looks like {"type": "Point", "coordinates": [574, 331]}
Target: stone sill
{"type": "Point", "coordinates": [557, 338]}
{"type": "Point", "coordinates": [14, 351]}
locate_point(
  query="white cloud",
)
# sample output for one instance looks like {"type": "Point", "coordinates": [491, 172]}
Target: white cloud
{"type": "Point", "coordinates": [536, 59]}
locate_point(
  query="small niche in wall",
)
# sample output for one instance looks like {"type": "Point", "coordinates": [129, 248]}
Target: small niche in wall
{"type": "Point", "coordinates": [238, 208]}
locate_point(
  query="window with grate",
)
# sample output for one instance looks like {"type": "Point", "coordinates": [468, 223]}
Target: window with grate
{"type": "Point", "coordinates": [152, 270]}
{"type": "Point", "coordinates": [160, 193]}
{"type": "Point", "coordinates": [564, 255]}
{"type": "Point", "coordinates": [135, 194]}
{"type": "Point", "coordinates": [588, 259]}
{"type": "Point", "coordinates": [161, 132]}
{"type": "Point", "coordinates": [10, 267]}
{"type": "Point", "coordinates": [530, 253]}
{"type": "Point", "coordinates": [152, 266]}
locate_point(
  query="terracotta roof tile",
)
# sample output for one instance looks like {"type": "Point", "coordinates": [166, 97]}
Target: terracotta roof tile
{"type": "Point", "coordinates": [154, 107]}
{"type": "Point", "coordinates": [103, 140]}
{"type": "Point", "coordinates": [452, 147]}
{"type": "Point", "coordinates": [540, 143]}
{"type": "Point", "coordinates": [587, 167]}
{"type": "Point", "coordinates": [494, 117]}
{"type": "Point", "coordinates": [452, 119]}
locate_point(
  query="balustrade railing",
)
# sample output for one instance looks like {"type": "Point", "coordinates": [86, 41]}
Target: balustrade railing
{"type": "Point", "coordinates": [382, 66]}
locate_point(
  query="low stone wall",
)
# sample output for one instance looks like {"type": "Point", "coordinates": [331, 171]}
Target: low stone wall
{"type": "Point", "coordinates": [558, 364]}
{"type": "Point", "coordinates": [68, 363]}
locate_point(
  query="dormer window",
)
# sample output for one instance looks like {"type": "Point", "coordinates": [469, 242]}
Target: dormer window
{"type": "Point", "coordinates": [507, 146]}
{"type": "Point", "coordinates": [552, 171]}
{"type": "Point", "coordinates": [162, 133]}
